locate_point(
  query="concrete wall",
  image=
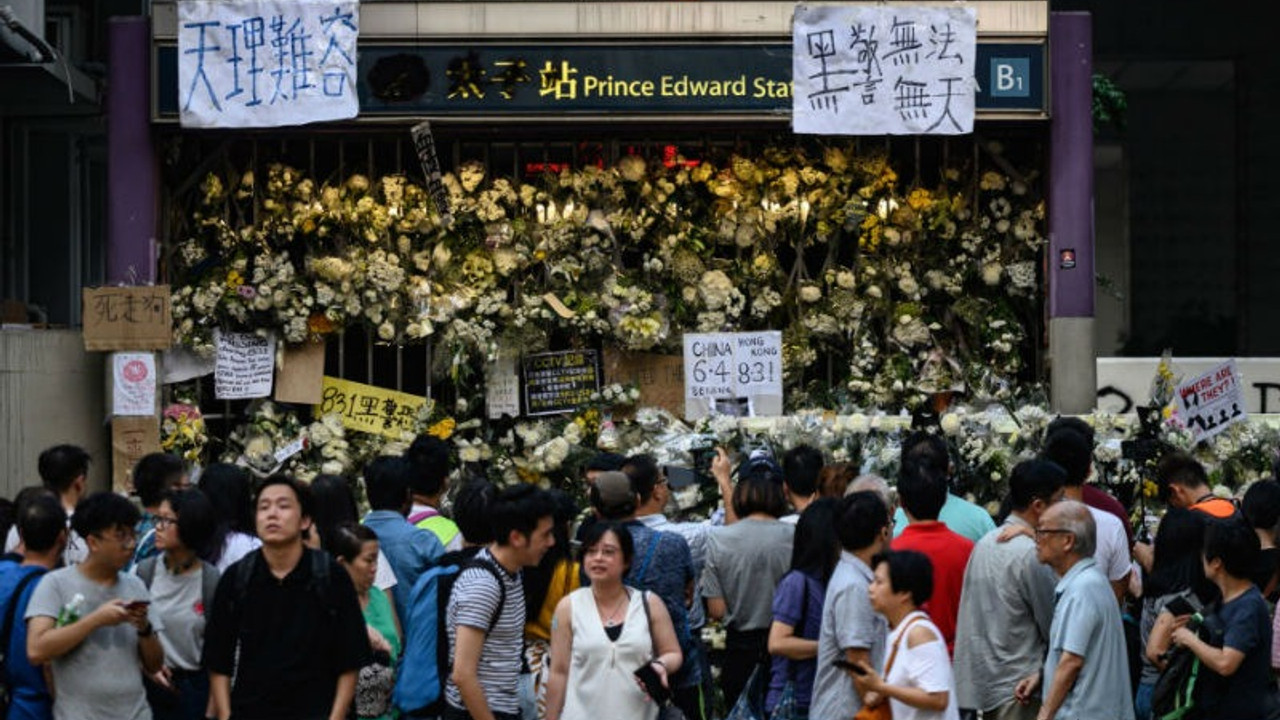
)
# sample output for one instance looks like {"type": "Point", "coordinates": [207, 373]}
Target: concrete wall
{"type": "Point", "coordinates": [51, 392]}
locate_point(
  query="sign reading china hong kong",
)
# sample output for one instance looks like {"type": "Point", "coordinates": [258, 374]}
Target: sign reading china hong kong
{"type": "Point", "coordinates": [733, 373]}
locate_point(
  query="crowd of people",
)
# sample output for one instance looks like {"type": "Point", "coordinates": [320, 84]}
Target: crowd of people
{"type": "Point", "coordinates": [840, 595]}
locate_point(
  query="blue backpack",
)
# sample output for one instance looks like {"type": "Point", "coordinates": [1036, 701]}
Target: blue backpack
{"type": "Point", "coordinates": [424, 665]}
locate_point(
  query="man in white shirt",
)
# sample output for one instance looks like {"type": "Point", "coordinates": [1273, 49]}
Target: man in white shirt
{"type": "Point", "coordinates": [64, 470]}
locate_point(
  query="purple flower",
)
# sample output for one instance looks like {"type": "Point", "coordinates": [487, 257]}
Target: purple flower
{"type": "Point", "coordinates": [247, 292]}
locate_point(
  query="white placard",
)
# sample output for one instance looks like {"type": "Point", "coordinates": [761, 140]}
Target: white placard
{"type": "Point", "coordinates": [133, 387]}
{"type": "Point", "coordinates": [266, 63]}
{"type": "Point", "coordinates": [884, 69]}
{"type": "Point", "coordinates": [293, 448]}
{"type": "Point", "coordinates": [243, 366]}
{"type": "Point", "coordinates": [1212, 402]}
{"type": "Point", "coordinates": [502, 388]}
{"type": "Point", "coordinates": [732, 366]}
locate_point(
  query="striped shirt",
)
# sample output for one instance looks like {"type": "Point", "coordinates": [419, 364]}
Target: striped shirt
{"type": "Point", "coordinates": [473, 603]}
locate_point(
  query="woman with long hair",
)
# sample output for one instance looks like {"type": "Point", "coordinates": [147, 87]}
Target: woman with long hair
{"type": "Point", "coordinates": [798, 602]}
{"type": "Point", "coordinates": [333, 504]}
{"type": "Point", "coordinates": [544, 586]}
{"type": "Point", "coordinates": [355, 547]}
{"type": "Point", "coordinates": [228, 489]}
{"type": "Point", "coordinates": [603, 634]}
{"type": "Point", "coordinates": [1176, 572]}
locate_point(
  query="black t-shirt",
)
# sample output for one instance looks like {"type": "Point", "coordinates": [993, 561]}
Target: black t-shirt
{"type": "Point", "coordinates": [1268, 562]}
{"type": "Point", "coordinates": [296, 636]}
{"type": "Point", "coordinates": [1250, 691]}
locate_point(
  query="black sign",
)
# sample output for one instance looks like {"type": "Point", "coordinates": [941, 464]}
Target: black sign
{"type": "Point", "coordinates": [558, 382]}
{"type": "Point", "coordinates": [709, 78]}
{"type": "Point", "coordinates": [425, 145]}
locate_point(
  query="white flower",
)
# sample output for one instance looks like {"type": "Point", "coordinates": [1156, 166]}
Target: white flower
{"type": "Point", "coordinates": [991, 273]}
{"type": "Point", "coordinates": [951, 423]}
{"type": "Point", "coordinates": [845, 279]}
{"type": "Point", "coordinates": [810, 293]}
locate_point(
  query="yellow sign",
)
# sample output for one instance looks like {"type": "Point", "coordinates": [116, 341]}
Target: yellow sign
{"type": "Point", "coordinates": [370, 409]}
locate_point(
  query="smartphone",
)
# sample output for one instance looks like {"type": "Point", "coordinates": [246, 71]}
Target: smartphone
{"type": "Point", "coordinates": [1180, 606]}
{"type": "Point", "coordinates": [135, 604]}
{"type": "Point", "coordinates": [652, 683]}
{"type": "Point", "coordinates": [846, 665]}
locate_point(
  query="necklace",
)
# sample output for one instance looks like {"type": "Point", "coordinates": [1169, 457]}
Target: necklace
{"type": "Point", "coordinates": [611, 620]}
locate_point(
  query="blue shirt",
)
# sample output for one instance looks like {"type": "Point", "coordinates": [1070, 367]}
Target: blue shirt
{"type": "Point", "coordinates": [664, 566]}
{"type": "Point", "coordinates": [959, 515]}
{"type": "Point", "coordinates": [1250, 691]}
{"type": "Point", "coordinates": [1086, 622]}
{"type": "Point", "coordinates": [409, 550]}
{"type": "Point", "coordinates": [30, 696]}
{"type": "Point", "coordinates": [798, 603]}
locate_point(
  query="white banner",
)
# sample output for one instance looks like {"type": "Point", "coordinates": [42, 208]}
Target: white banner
{"type": "Point", "coordinates": [1212, 402]}
{"type": "Point", "coordinates": [732, 373]}
{"type": "Point", "coordinates": [244, 365]}
{"type": "Point", "coordinates": [884, 70]}
{"type": "Point", "coordinates": [266, 63]}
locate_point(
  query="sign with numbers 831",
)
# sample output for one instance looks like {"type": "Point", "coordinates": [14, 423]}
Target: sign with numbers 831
{"type": "Point", "coordinates": [732, 365]}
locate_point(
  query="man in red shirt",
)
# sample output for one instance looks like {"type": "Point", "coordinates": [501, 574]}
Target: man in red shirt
{"type": "Point", "coordinates": [922, 490]}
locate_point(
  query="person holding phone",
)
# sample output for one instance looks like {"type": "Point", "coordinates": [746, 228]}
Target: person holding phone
{"type": "Point", "coordinates": [613, 647]}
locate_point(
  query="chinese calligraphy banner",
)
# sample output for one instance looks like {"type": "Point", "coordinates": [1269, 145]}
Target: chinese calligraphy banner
{"type": "Point", "coordinates": [266, 63]}
{"type": "Point", "coordinates": [884, 70]}
{"type": "Point", "coordinates": [558, 382]}
{"type": "Point", "coordinates": [127, 318]}
{"type": "Point", "coordinates": [1212, 402]}
{"type": "Point", "coordinates": [370, 409]}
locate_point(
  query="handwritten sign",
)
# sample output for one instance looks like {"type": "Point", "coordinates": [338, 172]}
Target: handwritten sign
{"type": "Point", "coordinates": [133, 384]}
{"type": "Point", "coordinates": [266, 63]}
{"type": "Point", "coordinates": [1212, 402]}
{"type": "Point", "coordinates": [559, 382]}
{"type": "Point", "coordinates": [659, 377]}
{"type": "Point", "coordinates": [732, 370]}
{"type": "Point", "coordinates": [301, 374]}
{"type": "Point", "coordinates": [127, 318]}
{"type": "Point", "coordinates": [884, 70]}
{"type": "Point", "coordinates": [243, 365]}
{"type": "Point", "coordinates": [131, 439]}
{"type": "Point", "coordinates": [425, 145]}
{"type": "Point", "coordinates": [370, 409]}
{"type": "Point", "coordinates": [502, 388]}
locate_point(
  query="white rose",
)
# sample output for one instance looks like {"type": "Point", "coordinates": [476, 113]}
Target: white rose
{"type": "Point", "coordinates": [810, 293]}
{"type": "Point", "coordinates": [991, 273]}
{"type": "Point", "coordinates": [950, 423]}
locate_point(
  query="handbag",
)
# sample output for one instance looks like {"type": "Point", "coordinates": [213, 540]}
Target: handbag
{"type": "Point", "coordinates": [666, 709]}
{"type": "Point", "coordinates": [750, 704]}
{"type": "Point", "coordinates": [883, 711]}
{"type": "Point", "coordinates": [374, 685]}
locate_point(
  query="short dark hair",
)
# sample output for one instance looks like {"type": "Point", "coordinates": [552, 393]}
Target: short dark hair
{"type": "Point", "coordinates": [301, 491]}
{"type": "Point", "coordinates": [1072, 452]}
{"type": "Point", "coordinates": [909, 571]}
{"type": "Point", "coordinates": [470, 510]}
{"type": "Point", "coordinates": [102, 511]}
{"type": "Point", "coordinates": [644, 473]}
{"type": "Point", "coordinates": [348, 538]}
{"type": "Point", "coordinates": [863, 516]}
{"type": "Point", "coordinates": [800, 468]}
{"type": "Point", "coordinates": [154, 474]}
{"type": "Point", "coordinates": [519, 509]}
{"type": "Point", "coordinates": [1033, 480]}
{"type": "Point", "coordinates": [604, 462]}
{"type": "Point", "coordinates": [41, 520]}
{"type": "Point", "coordinates": [922, 489]}
{"type": "Point", "coordinates": [816, 547]}
{"type": "Point", "coordinates": [1261, 504]}
{"type": "Point", "coordinates": [386, 482]}
{"type": "Point", "coordinates": [1233, 542]}
{"type": "Point", "coordinates": [197, 520]}
{"type": "Point", "coordinates": [430, 458]}
{"type": "Point", "coordinates": [759, 490]}
{"type": "Point", "coordinates": [1070, 422]}
{"type": "Point", "coordinates": [60, 465]}
{"type": "Point", "coordinates": [928, 448]}
{"type": "Point", "coordinates": [595, 532]}
{"type": "Point", "coordinates": [227, 487]}
{"type": "Point", "coordinates": [1179, 468]}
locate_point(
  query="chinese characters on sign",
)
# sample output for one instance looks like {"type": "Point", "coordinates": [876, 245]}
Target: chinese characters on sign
{"type": "Point", "coordinates": [266, 63]}
{"type": "Point", "coordinates": [425, 145]}
{"type": "Point", "coordinates": [127, 318]}
{"type": "Point", "coordinates": [725, 370]}
{"type": "Point", "coordinates": [884, 70]}
{"type": "Point", "coordinates": [1212, 402]}
{"type": "Point", "coordinates": [370, 409]}
{"type": "Point", "coordinates": [558, 382]}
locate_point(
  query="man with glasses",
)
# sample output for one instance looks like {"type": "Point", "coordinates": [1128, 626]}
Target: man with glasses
{"type": "Point", "coordinates": [91, 623]}
{"type": "Point", "coordinates": [1086, 670]}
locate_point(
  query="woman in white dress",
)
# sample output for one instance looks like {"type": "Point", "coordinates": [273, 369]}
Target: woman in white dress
{"type": "Point", "coordinates": [916, 679]}
{"type": "Point", "coordinates": [602, 634]}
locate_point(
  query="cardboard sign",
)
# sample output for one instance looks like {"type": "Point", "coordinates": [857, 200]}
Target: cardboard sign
{"type": "Point", "coordinates": [131, 438]}
{"type": "Point", "coordinates": [127, 318]}
{"type": "Point", "coordinates": [300, 378]}
{"type": "Point", "coordinates": [370, 409]}
{"type": "Point", "coordinates": [1212, 402]}
{"type": "Point", "coordinates": [133, 384]}
{"type": "Point", "coordinates": [243, 365]}
{"type": "Point", "coordinates": [659, 377]}
{"type": "Point", "coordinates": [559, 382]}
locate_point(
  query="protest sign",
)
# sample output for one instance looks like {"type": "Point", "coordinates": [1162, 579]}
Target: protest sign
{"type": "Point", "coordinates": [502, 388]}
{"type": "Point", "coordinates": [558, 382]}
{"type": "Point", "coordinates": [733, 373]}
{"type": "Point", "coordinates": [1212, 402]}
{"type": "Point", "coordinates": [131, 439]}
{"type": "Point", "coordinates": [371, 409]}
{"type": "Point", "coordinates": [127, 318]}
{"type": "Point", "coordinates": [243, 365]}
{"type": "Point", "coordinates": [133, 384]}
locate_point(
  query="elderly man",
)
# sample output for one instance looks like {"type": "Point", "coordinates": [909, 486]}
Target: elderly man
{"type": "Point", "coordinates": [1086, 671]}
{"type": "Point", "coordinates": [1006, 587]}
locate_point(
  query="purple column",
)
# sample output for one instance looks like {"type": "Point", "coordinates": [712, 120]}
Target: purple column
{"type": "Point", "coordinates": [131, 169]}
{"type": "Point", "coordinates": [1071, 287]}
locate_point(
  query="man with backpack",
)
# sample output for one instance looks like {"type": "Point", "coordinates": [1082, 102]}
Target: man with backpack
{"type": "Point", "coordinates": [286, 637]}
{"type": "Point", "coordinates": [42, 524]}
{"type": "Point", "coordinates": [409, 550]}
{"type": "Point", "coordinates": [486, 609]}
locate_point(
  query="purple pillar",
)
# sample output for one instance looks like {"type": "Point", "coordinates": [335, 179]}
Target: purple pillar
{"type": "Point", "coordinates": [1071, 276]}
{"type": "Point", "coordinates": [131, 169]}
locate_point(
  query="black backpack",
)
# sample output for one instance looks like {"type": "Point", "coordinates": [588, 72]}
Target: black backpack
{"type": "Point", "coordinates": [1181, 685]}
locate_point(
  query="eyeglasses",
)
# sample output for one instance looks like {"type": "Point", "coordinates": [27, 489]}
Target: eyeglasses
{"type": "Point", "coordinates": [1041, 532]}
{"type": "Point", "coordinates": [163, 522]}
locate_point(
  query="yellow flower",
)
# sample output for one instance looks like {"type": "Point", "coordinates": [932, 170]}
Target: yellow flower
{"type": "Point", "coordinates": [443, 429]}
{"type": "Point", "coordinates": [920, 199]}
{"type": "Point", "coordinates": [234, 280]}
